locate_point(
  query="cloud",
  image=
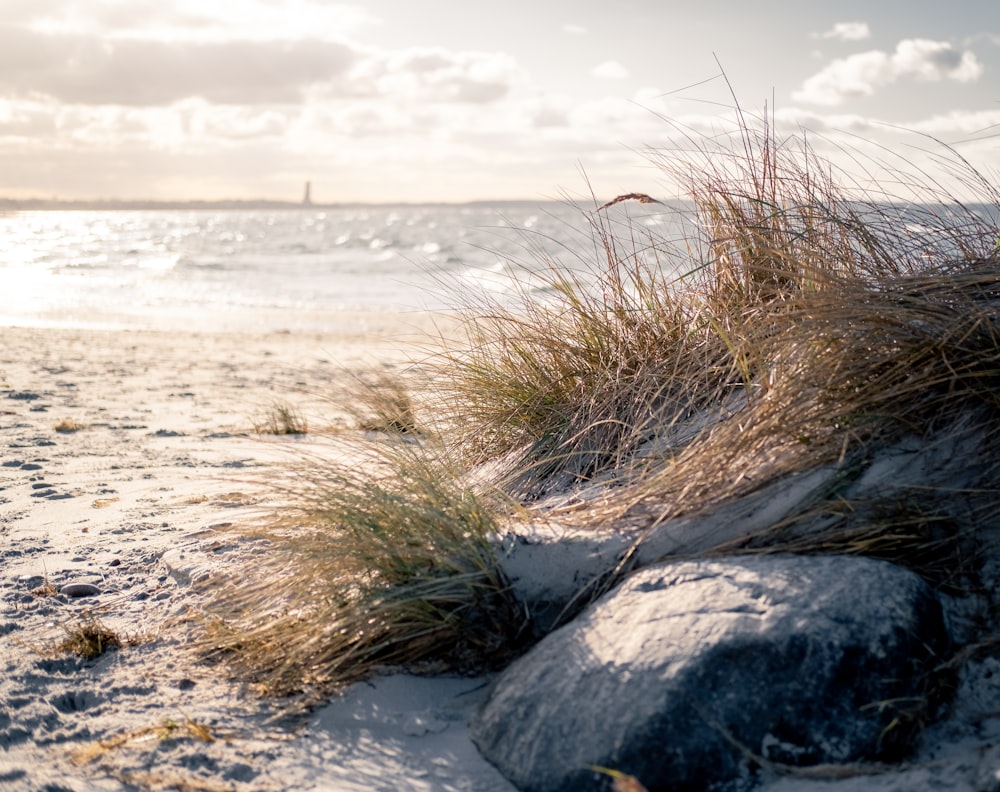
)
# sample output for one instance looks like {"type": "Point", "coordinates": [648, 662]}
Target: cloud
{"type": "Point", "coordinates": [236, 123]}
{"type": "Point", "coordinates": [438, 75]}
{"type": "Point", "coordinates": [81, 67]}
{"type": "Point", "coordinates": [85, 70]}
{"type": "Point", "coordinates": [574, 30]}
{"type": "Point", "coordinates": [962, 126]}
{"type": "Point", "coordinates": [862, 74]}
{"type": "Point", "coordinates": [191, 20]}
{"type": "Point", "coordinates": [26, 120]}
{"type": "Point", "coordinates": [846, 31]}
{"type": "Point", "coordinates": [271, 19]}
{"type": "Point", "coordinates": [550, 116]}
{"type": "Point", "coordinates": [610, 70]}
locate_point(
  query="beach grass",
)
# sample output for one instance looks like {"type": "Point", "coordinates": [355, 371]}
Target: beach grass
{"type": "Point", "coordinates": [789, 282]}
{"type": "Point", "coordinates": [89, 639]}
{"type": "Point", "coordinates": [68, 426]}
{"type": "Point", "coordinates": [386, 563]}
{"type": "Point", "coordinates": [804, 320]}
{"type": "Point", "coordinates": [281, 418]}
{"type": "Point", "coordinates": [383, 404]}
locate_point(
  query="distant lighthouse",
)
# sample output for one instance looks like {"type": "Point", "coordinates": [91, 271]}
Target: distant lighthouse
{"type": "Point", "coordinates": [307, 198]}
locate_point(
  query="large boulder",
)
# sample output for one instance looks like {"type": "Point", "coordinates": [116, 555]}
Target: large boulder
{"type": "Point", "coordinates": [688, 670]}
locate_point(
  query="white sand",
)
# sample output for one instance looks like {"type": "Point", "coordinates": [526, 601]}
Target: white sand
{"type": "Point", "coordinates": [137, 501]}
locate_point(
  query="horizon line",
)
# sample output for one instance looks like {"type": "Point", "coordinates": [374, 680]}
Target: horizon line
{"type": "Point", "coordinates": [16, 204]}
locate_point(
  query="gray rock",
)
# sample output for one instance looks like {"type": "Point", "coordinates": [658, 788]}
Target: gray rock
{"type": "Point", "coordinates": [676, 673]}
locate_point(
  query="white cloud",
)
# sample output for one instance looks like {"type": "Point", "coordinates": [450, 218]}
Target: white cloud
{"type": "Point", "coordinates": [846, 31]}
{"type": "Point", "coordinates": [574, 30]}
{"type": "Point", "coordinates": [26, 120]}
{"type": "Point", "coordinates": [610, 70]}
{"type": "Point", "coordinates": [438, 75]}
{"type": "Point", "coordinates": [962, 125]}
{"type": "Point", "coordinates": [862, 74]}
{"type": "Point", "coordinates": [270, 19]}
{"type": "Point", "coordinates": [242, 123]}
{"type": "Point", "coordinates": [85, 68]}
{"type": "Point", "coordinates": [80, 69]}
{"type": "Point", "coordinates": [191, 20]}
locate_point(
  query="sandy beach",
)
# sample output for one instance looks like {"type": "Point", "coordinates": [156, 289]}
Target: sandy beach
{"type": "Point", "coordinates": [126, 457]}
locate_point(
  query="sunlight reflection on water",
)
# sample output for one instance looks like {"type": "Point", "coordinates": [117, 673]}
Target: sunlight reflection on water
{"type": "Point", "coordinates": [243, 269]}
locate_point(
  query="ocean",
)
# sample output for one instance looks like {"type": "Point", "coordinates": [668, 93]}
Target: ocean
{"type": "Point", "coordinates": [314, 268]}
{"type": "Point", "coordinates": [276, 269]}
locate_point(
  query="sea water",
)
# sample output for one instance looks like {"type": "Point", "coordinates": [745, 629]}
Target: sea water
{"type": "Point", "coordinates": [274, 269]}
{"type": "Point", "coordinates": [314, 268]}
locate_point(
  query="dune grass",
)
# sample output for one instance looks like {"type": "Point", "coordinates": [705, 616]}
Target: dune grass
{"type": "Point", "coordinates": [848, 368]}
{"type": "Point", "coordinates": [89, 639]}
{"type": "Point", "coordinates": [281, 418]}
{"type": "Point", "coordinates": [68, 426]}
{"type": "Point", "coordinates": [383, 404]}
{"type": "Point", "coordinates": [804, 321]}
{"type": "Point", "coordinates": [388, 562]}
{"type": "Point", "coordinates": [790, 283]}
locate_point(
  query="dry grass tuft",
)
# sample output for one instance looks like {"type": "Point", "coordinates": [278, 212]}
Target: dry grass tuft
{"type": "Point", "coordinates": [799, 308]}
{"type": "Point", "coordinates": [805, 322]}
{"type": "Point", "coordinates": [165, 731]}
{"type": "Point", "coordinates": [281, 419]}
{"type": "Point", "coordinates": [384, 566]}
{"type": "Point", "coordinates": [90, 639]}
{"type": "Point", "coordinates": [852, 369]}
{"type": "Point", "coordinates": [68, 426]}
{"type": "Point", "coordinates": [565, 389]}
{"type": "Point", "coordinates": [47, 589]}
{"type": "Point", "coordinates": [384, 404]}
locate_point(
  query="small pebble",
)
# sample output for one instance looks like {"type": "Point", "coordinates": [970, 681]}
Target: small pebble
{"type": "Point", "coordinates": [79, 590]}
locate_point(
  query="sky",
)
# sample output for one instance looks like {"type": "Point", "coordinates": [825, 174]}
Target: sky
{"type": "Point", "coordinates": [453, 100]}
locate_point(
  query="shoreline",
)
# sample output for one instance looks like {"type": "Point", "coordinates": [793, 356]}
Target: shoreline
{"type": "Point", "coordinates": [350, 335]}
